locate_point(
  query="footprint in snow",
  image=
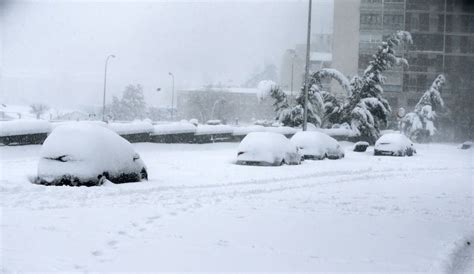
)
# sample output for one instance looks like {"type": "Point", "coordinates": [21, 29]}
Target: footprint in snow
{"type": "Point", "coordinates": [97, 253]}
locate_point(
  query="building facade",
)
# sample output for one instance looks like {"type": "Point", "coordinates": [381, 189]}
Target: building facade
{"type": "Point", "coordinates": [443, 42]}
{"type": "Point", "coordinates": [293, 62]}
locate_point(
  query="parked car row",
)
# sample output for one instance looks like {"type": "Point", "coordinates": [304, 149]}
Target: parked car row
{"type": "Point", "coordinates": [266, 148]}
{"type": "Point", "coordinates": [88, 154]}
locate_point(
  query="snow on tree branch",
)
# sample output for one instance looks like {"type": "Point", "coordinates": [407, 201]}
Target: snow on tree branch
{"type": "Point", "coordinates": [419, 124]}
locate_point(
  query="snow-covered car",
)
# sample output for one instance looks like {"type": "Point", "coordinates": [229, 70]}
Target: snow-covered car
{"type": "Point", "coordinates": [360, 146]}
{"type": "Point", "coordinates": [466, 145]}
{"type": "Point", "coordinates": [87, 154]}
{"type": "Point", "coordinates": [267, 148]}
{"type": "Point", "coordinates": [317, 145]}
{"type": "Point", "coordinates": [394, 144]}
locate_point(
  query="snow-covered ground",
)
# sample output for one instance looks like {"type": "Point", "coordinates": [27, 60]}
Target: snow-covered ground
{"type": "Point", "coordinates": [200, 212]}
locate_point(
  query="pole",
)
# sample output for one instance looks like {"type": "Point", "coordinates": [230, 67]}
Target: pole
{"type": "Point", "coordinates": [105, 85]}
{"type": "Point", "coordinates": [292, 73]}
{"type": "Point", "coordinates": [306, 74]}
{"type": "Point", "coordinates": [172, 95]}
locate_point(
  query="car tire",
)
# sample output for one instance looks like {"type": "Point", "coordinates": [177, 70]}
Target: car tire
{"type": "Point", "coordinates": [143, 175]}
{"type": "Point", "coordinates": [409, 152]}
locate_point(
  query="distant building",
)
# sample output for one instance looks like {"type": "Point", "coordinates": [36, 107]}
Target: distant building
{"type": "Point", "coordinates": [443, 42]}
{"type": "Point", "coordinates": [293, 61]}
{"type": "Point", "coordinates": [443, 35]}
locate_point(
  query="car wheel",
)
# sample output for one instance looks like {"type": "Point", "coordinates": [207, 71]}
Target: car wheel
{"type": "Point", "coordinates": [409, 152]}
{"type": "Point", "coordinates": [101, 180]}
{"type": "Point", "coordinates": [143, 174]}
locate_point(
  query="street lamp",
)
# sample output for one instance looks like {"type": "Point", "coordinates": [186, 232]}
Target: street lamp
{"type": "Point", "coordinates": [105, 85]}
{"type": "Point", "coordinates": [292, 52]}
{"type": "Point", "coordinates": [214, 106]}
{"type": "Point", "coordinates": [172, 95]}
{"type": "Point", "coordinates": [306, 73]}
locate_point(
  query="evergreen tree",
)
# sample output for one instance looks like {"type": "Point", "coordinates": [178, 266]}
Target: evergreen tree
{"type": "Point", "coordinates": [132, 105]}
{"type": "Point", "coordinates": [366, 110]}
{"type": "Point", "coordinates": [419, 124]}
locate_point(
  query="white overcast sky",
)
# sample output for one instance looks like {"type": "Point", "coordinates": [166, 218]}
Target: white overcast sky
{"type": "Point", "coordinates": [54, 51]}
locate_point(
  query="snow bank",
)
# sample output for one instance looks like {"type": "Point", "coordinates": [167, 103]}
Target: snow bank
{"type": "Point", "coordinates": [267, 147]}
{"type": "Point", "coordinates": [213, 129]}
{"type": "Point", "coordinates": [74, 123]}
{"type": "Point", "coordinates": [131, 128]}
{"type": "Point", "coordinates": [86, 151]}
{"type": "Point", "coordinates": [283, 130]}
{"type": "Point", "coordinates": [174, 128]}
{"type": "Point", "coordinates": [23, 127]}
{"type": "Point", "coordinates": [240, 131]}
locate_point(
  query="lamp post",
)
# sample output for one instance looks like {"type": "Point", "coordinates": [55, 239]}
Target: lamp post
{"type": "Point", "coordinates": [105, 85]}
{"type": "Point", "coordinates": [293, 57]}
{"type": "Point", "coordinates": [172, 95]}
{"type": "Point", "coordinates": [214, 106]}
{"type": "Point", "coordinates": [306, 74]}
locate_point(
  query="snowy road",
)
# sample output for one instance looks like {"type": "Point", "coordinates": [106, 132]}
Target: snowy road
{"type": "Point", "coordinates": [200, 212]}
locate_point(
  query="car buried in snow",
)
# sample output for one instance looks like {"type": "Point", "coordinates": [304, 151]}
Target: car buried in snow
{"type": "Point", "coordinates": [394, 144]}
{"type": "Point", "coordinates": [86, 155]}
{"type": "Point", "coordinates": [267, 149]}
{"type": "Point", "coordinates": [315, 145]}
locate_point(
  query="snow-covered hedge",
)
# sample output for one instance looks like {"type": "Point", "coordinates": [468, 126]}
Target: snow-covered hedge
{"type": "Point", "coordinates": [174, 128]}
{"type": "Point", "coordinates": [24, 127]}
{"type": "Point", "coordinates": [131, 128]}
{"type": "Point", "coordinates": [241, 131]}
{"type": "Point", "coordinates": [213, 129]}
{"type": "Point", "coordinates": [79, 123]}
{"type": "Point", "coordinates": [283, 130]}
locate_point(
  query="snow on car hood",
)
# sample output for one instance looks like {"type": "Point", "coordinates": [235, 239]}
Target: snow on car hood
{"type": "Point", "coordinates": [85, 151]}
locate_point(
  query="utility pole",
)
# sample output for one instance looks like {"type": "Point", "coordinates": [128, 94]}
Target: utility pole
{"type": "Point", "coordinates": [306, 74]}
{"type": "Point", "coordinates": [172, 95]}
{"type": "Point", "coordinates": [105, 85]}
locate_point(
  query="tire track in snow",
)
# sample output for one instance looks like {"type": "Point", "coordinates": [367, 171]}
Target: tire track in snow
{"type": "Point", "coordinates": [209, 195]}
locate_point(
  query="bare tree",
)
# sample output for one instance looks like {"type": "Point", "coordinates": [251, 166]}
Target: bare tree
{"type": "Point", "coordinates": [38, 109]}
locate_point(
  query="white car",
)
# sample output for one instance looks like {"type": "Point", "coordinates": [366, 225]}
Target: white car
{"type": "Point", "coordinates": [87, 154]}
{"type": "Point", "coordinates": [394, 144]}
{"type": "Point", "coordinates": [317, 145]}
{"type": "Point", "coordinates": [268, 149]}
